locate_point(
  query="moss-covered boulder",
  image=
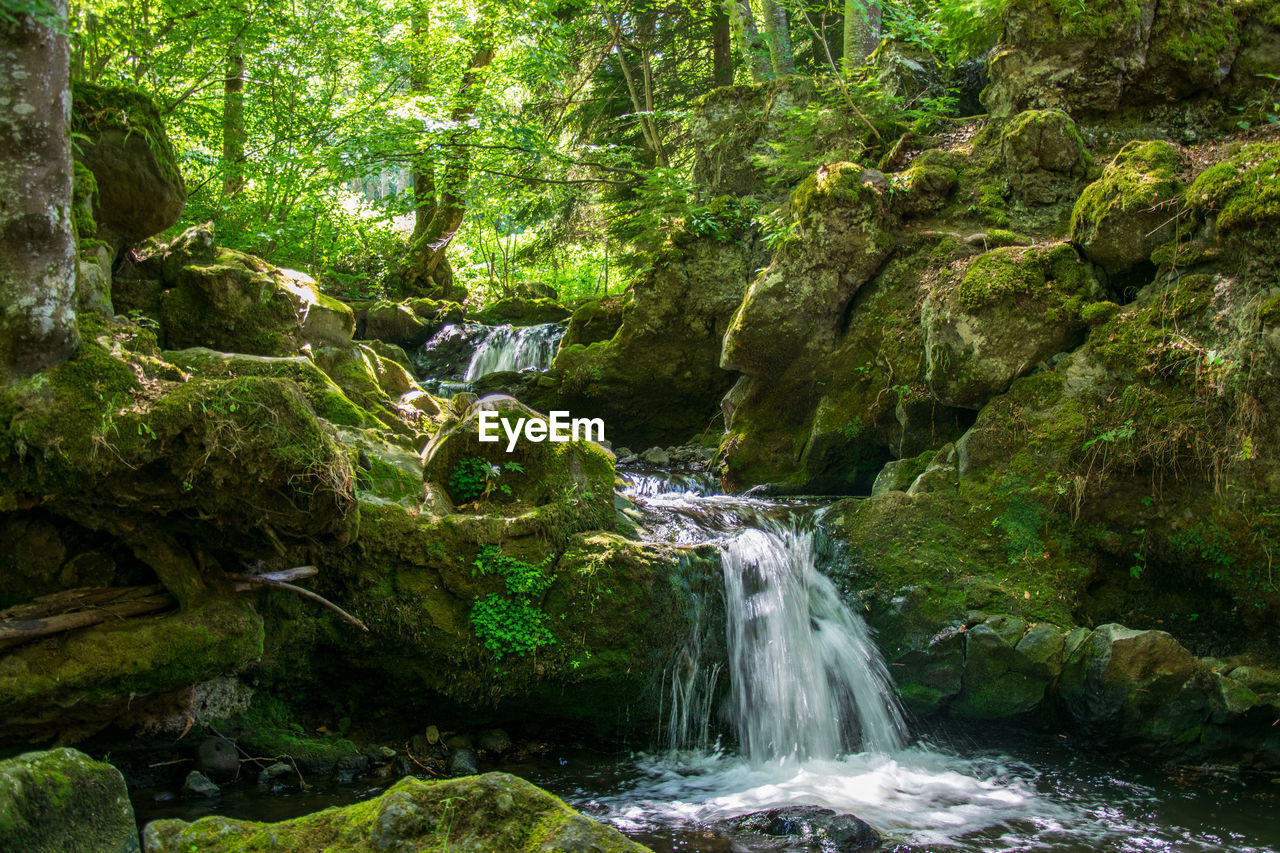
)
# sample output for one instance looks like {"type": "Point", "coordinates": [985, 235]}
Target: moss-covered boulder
{"type": "Point", "coordinates": [62, 800]}
{"type": "Point", "coordinates": [594, 321]}
{"type": "Point", "coordinates": [1125, 684]}
{"type": "Point", "coordinates": [521, 311]}
{"type": "Point", "coordinates": [1011, 310]}
{"type": "Point", "coordinates": [376, 384]}
{"type": "Point", "coordinates": [1008, 668]}
{"type": "Point", "coordinates": [233, 302]}
{"type": "Point", "coordinates": [531, 473]}
{"type": "Point", "coordinates": [1241, 197]}
{"type": "Point", "coordinates": [494, 811]}
{"type": "Point", "coordinates": [408, 324]}
{"type": "Point", "coordinates": [1044, 156]}
{"type": "Point", "coordinates": [732, 128]}
{"type": "Point", "coordinates": [140, 191]}
{"type": "Point", "coordinates": [1121, 218]}
{"type": "Point", "coordinates": [1103, 56]}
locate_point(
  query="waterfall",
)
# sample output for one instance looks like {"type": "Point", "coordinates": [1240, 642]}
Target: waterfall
{"type": "Point", "coordinates": [511, 348]}
{"type": "Point", "coordinates": [807, 681]}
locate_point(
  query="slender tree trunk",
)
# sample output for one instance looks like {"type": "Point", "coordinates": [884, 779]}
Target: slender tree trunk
{"type": "Point", "coordinates": [752, 47]}
{"type": "Point", "coordinates": [233, 130]}
{"type": "Point", "coordinates": [426, 256]}
{"type": "Point", "coordinates": [424, 167]}
{"type": "Point", "coordinates": [778, 35]}
{"type": "Point", "coordinates": [37, 243]}
{"type": "Point", "coordinates": [721, 47]}
{"type": "Point", "coordinates": [861, 31]}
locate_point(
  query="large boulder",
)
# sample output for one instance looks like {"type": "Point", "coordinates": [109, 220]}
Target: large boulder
{"type": "Point", "coordinates": [1121, 683]}
{"type": "Point", "coordinates": [732, 128]}
{"type": "Point", "coordinates": [1122, 217]}
{"type": "Point", "coordinates": [140, 191]}
{"type": "Point", "coordinates": [1012, 309]}
{"type": "Point", "coordinates": [227, 300]}
{"type": "Point", "coordinates": [530, 473]}
{"type": "Point", "coordinates": [1044, 156]}
{"type": "Point", "coordinates": [62, 800]}
{"type": "Point", "coordinates": [1094, 58]}
{"type": "Point", "coordinates": [493, 811]}
{"type": "Point", "coordinates": [1008, 667]}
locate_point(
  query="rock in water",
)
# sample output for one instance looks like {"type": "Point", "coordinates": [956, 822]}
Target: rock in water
{"type": "Point", "coordinates": [495, 811]}
{"type": "Point", "coordinates": [62, 800]}
{"type": "Point", "coordinates": [463, 761]}
{"type": "Point", "coordinates": [814, 827]}
{"type": "Point", "coordinates": [494, 740]}
{"type": "Point", "coordinates": [199, 785]}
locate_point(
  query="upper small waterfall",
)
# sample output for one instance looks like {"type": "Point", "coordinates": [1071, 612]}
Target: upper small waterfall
{"type": "Point", "coordinates": [807, 681]}
{"type": "Point", "coordinates": [515, 348]}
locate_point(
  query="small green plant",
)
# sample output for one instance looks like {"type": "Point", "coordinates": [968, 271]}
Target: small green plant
{"type": "Point", "coordinates": [512, 623]}
{"type": "Point", "coordinates": [474, 478]}
{"type": "Point", "coordinates": [1111, 436]}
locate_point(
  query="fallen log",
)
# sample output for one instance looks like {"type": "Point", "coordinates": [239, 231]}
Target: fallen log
{"type": "Point", "coordinates": [78, 608]}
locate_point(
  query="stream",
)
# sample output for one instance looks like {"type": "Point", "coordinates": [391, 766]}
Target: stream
{"type": "Point", "coordinates": [812, 720]}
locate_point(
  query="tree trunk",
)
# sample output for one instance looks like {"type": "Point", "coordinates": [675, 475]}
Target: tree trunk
{"type": "Point", "coordinates": [426, 255]}
{"type": "Point", "coordinates": [37, 243]}
{"type": "Point", "coordinates": [861, 31]}
{"type": "Point", "coordinates": [233, 130]}
{"type": "Point", "coordinates": [424, 167]}
{"type": "Point", "coordinates": [721, 47]}
{"type": "Point", "coordinates": [778, 35]}
{"type": "Point", "coordinates": [752, 47]}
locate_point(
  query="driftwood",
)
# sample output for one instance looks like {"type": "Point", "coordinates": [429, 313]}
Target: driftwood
{"type": "Point", "coordinates": [78, 608]}
{"type": "Point", "coordinates": [277, 580]}
{"type": "Point", "coordinates": [88, 606]}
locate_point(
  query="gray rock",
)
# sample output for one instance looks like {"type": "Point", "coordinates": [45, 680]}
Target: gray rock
{"type": "Point", "coordinates": [198, 785]}
{"type": "Point", "coordinates": [494, 740]}
{"type": "Point", "coordinates": [814, 827]}
{"type": "Point", "coordinates": [656, 456]}
{"type": "Point", "coordinates": [274, 771]}
{"type": "Point", "coordinates": [62, 800]}
{"type": "Point", "coordinates": [463, 761]}
{"type": "Point", "coordinates": [218, 758]}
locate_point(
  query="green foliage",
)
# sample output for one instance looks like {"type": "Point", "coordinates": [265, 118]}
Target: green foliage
{"type": "Point", "coordinates": [512, 623]}
{"type": "Point", "coordinates": [474, 478]}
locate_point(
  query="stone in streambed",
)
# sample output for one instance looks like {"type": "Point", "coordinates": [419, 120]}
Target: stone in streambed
{"type": "Point", "coordinates": [814, 827]}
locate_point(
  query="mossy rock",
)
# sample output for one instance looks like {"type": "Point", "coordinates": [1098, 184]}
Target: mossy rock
{"type": "Point", "coordinates": [80, 682]}
{"type": "Point", "coordinates": [1044, 156]}
{"type": "Point", "coordinates": [494, 811]}
{"type": "Point", "coordinates": [374, 383]}
{"type": "Point", "coordinates": [594, 321]}
{"type": "Point", "coordinates": [140, 191]}
{"type": "Point", "coordinates": [61, 800]}
{"type": "Point", "coordinates": [1012, 309]}
{"type": "Point", "coordinates": [1243, 192]}
{"type": "Point", "coordinates": [535, 473]}
{"type": "Point", "coordinates": [324, 395]}
{"type": "Point", "coordinates": [521, 311]}
{"type": "Point", "coordinates": [1121, 218]}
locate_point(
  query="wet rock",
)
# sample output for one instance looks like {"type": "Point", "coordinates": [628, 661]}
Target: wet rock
{"type": "Point", "coordinates": [519, 311]}
{"type": "Point", "coordinates": [1125, 684]}
{"type": "Point", "coordinates": [199, 786]}
{"type": "Point", "coordinates": [656, 456]}
{"type": "Point", "coordinates": [494, 740]}
{"type": "Point", "coordinates": [813, 827]}
{"type": "Point", "coordinates": [349, 766]}
{"type": "Point", "coordinates": [433, 735]}
{"type": "Point", "coordinates": [218, 758]}
{"type": "Point", "coordinates": [62, 800]}
{"type": "Point", "coordinates": [495, 812]}
{"type": "Point", "coordinates": [1008, 668]}
{"type": "Point", "coordinates": [463, 761]}
{"type": "Point", "coordinates": [278, 770]}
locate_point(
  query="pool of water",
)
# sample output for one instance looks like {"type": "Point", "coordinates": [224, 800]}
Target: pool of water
{"type": "Point", "coordinates": [1034, 793]}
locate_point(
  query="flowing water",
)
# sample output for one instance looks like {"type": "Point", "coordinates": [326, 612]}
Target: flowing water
{"type": "Point", "coordinates": [461, 353]}
{"type": "Point", "coordinates": [792, 706]}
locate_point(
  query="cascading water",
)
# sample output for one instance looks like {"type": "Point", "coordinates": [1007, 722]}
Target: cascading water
{"type": "Point", "coordinates": [461, 353]}
{"type": "Point", "coordinates": [515, 348]}
{"type": "Point", "coordinates": [807, 682]}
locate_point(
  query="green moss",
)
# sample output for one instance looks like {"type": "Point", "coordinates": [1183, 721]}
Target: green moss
{"type": "Point", "coordinates": [1097, 313]}
{"type": "Point", "coordinates": [84, 188]}
{"type": "Point", "coordinates": [1098, 19]}
{"type": "Point", "coordinates": [1141, 177]}
{"type": "Point", "coordinates": [520, 311]}
{"type": "Point", "coordinates": [1035, 271]}
{"type": "Point", "coordinates": [1243, 191]}
{"type": "Point", "coordinates": [493, 811]}
{"type": "Point", "coordinates": [98, 109]}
